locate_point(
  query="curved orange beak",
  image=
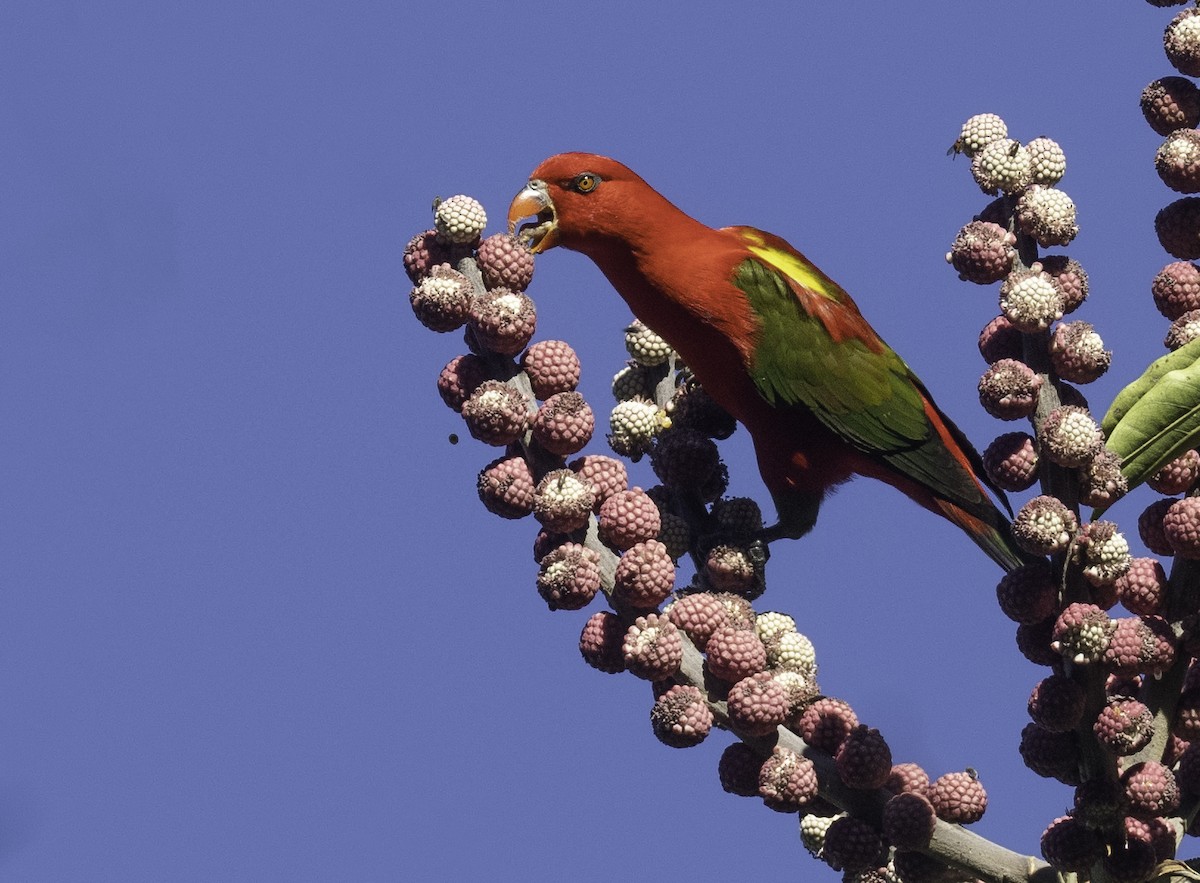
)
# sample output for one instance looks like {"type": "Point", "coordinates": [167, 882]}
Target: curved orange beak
{"type": "Point", "coordinates": [534, 202]}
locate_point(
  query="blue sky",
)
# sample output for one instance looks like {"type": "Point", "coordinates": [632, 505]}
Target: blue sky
{"type": "Point", "coordinates": [255, 624]}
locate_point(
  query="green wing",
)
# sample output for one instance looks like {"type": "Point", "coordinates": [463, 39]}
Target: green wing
{"type": "Point", "coordinates": [865, 394]}
{"type": "Point", "coordinates": [816, 351]}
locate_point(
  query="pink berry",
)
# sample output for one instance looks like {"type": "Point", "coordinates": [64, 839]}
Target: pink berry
{"type": "Point", "coordinates": [506, 487]}
{"type": "Point", "coordinates": [552, 366]}
{"type": "Point", "coordinates": [958, 798]}
{"type": "Point", "coordinates": [644, 576]}
{"type": "Point", "coordinates": [569, 577]}
{"type": "Point", "coordinates": [680, 716]}
{"type": "Point", "coordinates": [600, 642]}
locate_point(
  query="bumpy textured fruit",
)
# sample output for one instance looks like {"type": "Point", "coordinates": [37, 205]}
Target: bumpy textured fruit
{"type": "Point", "coordinates": [1171, 103]}
{"type": "Point", "coordinates": [1101, 482]}
{"type": "Point", "coordinates": [1000, 339]}
{"type": "Point", "coordinates": [792, 651]}
{"type": "Point", "coordinates": [693, 408]}
{"type": "Point", "coordinates": [980, 131]}
{"type": "Point", "coordinates": [1183, 330]}
{"type": "Point", "coordinates": [628, 517]}
{"type": "Point", "coordinates": [734, 653]}
{"type": "Point", "coordinates": [1070, 436]}
{"type": "Point", "coordinates": [1099, 804]}
{"type": "Point", "coordinates": [644, 346]}
{"type": "Point", "coordinates": [800, 690]}
{"type": "Point", "coordinates": [684, 458]}
{"type": "Point", "coordinates": [907, 777]}
{"type": "Point", "coordinates": [1181, 527]}
{"type": "Point", "coordinates": [812, 831]}
{"type": "Point", "coordinates": [633, 426]}
{"type": "Point", "coordinates": [606, 475]}
{"type": "Point", "coordinates": [459, 219]}
{"type": "Point", "coordinates": [1056, 703]}
{"type": "Point", "coordinates": [496, 413]}
{"type": "Point", "coordinates": [1003, 164]}
{"type": "Point", "coordinates": [738, 516]}
{"type": "Point", "coordinates": [552, 367]}
{"type": "Point", "coordinates": [680, 717]}
{"type": "Point", "coordinates": [1044, 525]}
{"type": "Point", "coordinates": [1140, 645]}
{"type": "Point", "coordinates": [652, 647]}
{"type": "Point", "coordinates": [1143, 588]}
{"type": "Point", "coordinates": [461, 377]}
{"type": "Point", "coordinates": [1071, 847]}
{"type": "Point", "coordinates": [1008, 390]}
{"type": "Point", "coordinates": [770, 624]}
{"type": "Point", "coordinates": [1177, 476]}
{"type": "Point", "coordinates": [504, 262]}
{"type": "Point", "coordinates": [1150, 789]}
{"type": "Point", "coordinates": [1082, 632]}
{"type": "Point", "coordinates": [698, 615]}
{"type": "Point", "coordinates": [863, 760]}
{"type": "Point", "coordinates": [1028, 594]}
{"type": "Point", "coordinates": [757, 705]}
{"type": "Point", "coordinates": [1051, 755]}
{"type": "Point", "coordinates": [1011, 461]}
{"type": "Point", "coordinates": [600, 642]}
{"type": "Point", "coordinates": [1176, 289]}
{"type": "Point", "coordinates": [1177, 161]}
{"type": "Point", "coordinates": [1072, 279]}
{"type": "Point", "coordinates": [730, 569]}
{"type": "Point", "coordinates": [1104, 553]}
{"type": "Point", "coordinates": [1034, 639]}
{"type": "Point", "coordinates": [825, 723]}
{"type": "Point", "coordinates": [1187, 776]}
{"type": "Point", "coordinates": [1150, 527]}
{"type": "Point", "coordinates": [562, 501]}
{"type": "Point", "coordinates": [982, 252]}
{"type": "Point", "coordinates": [958, 798]}
{"type": "Point", "coordinates": [1178, 228]}
{"type": "Point", "coordinates": [645, 575]}
{"type": "Point", "coordinates": [738, 769]}
{"type": "Point", "coordinates": [852, 845]}
{"type": "Point", "coordinates": [506, 486]}
{"type": "Point", "coordinates": [564, 423]}
{"type": "Point", "coordinates": [908, 820]}
{"type": "Point", "coordinates": [442, 300]}
{"type": "Point", "coordinates": [1181, 41]}
{"type": "Point", "coordinates": [1077, 352]}
{"type": "Point", "coordinates": [1157, 832]}
{"type": "Point", "coordinates": [1047, 161]}
{"type": "Point", "coordinates": [426, 251]}
{"type": "Point", "coordinates": [1124, 727]}
{"type": "Point", "coordinates": [1031, 299]}
{"type": "Point", "coordinates": [632, 382]}
{"type": "Point", "coordinates": [1047, 214]}
{"type": "Point", "coordinates": [503, 321]}
{"type": "Point", "coordinates": [569, 577]}
{"type": "Point", "coordinates": [787, 781]}
{"type": "Point", "coordinates": [741, 612]}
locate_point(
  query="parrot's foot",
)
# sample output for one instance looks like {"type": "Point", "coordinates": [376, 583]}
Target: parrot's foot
{"type": "Point", "coordinates": [797, 515]}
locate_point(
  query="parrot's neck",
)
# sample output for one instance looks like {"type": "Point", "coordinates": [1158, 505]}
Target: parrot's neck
{"type": "Point", "coordinates": [677, 278]}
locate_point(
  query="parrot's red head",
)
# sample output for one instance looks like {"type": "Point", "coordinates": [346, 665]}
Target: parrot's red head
{"type": "Point", "coordinates": [579, 198]}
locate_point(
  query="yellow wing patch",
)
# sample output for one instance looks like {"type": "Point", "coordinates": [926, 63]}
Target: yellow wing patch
{"type": "Point", "coordinates": [791, 265]}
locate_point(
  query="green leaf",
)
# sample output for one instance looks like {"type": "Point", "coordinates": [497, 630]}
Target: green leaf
{"type": "Point", "coordinates": [1157, 417]}
{"type": "Point", "coordinates": [1128, 397]}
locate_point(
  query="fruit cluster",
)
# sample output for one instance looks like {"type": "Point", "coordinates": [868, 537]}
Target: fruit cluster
{"type": "Point", "coordinates": [1115, 716]}
{"type": "Point", "coordinates": [712, 659]}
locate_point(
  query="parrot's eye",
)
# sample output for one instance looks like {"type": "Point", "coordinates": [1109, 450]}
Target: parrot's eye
{"type": "Point", "coordinates": [584, 183]}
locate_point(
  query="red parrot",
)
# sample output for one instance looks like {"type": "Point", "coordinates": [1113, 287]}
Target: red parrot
{"type": "Point", "coordinates": [773, 340]}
